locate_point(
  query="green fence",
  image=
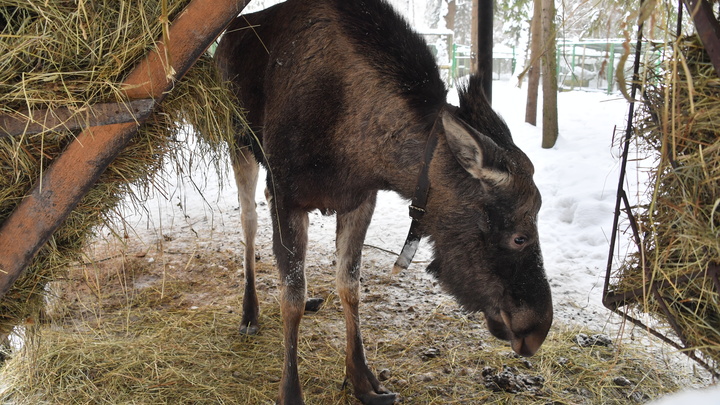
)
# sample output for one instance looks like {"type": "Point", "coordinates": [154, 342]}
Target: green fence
{"type": "Point", "coordinates": [587, 64]}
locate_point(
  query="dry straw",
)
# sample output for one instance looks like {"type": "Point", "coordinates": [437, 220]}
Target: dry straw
{"type": "Point", "coordinates": [74, 54]}
{"type": "Point", "coordinates": [680, 225]}
{"type": "Point", "coordinates": [121, 340]}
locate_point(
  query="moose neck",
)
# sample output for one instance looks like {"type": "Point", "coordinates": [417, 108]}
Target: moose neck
{"type": "Point", "coordinates": [422, 185]}
{"type": "Point", "coordinates": [419, 201]}
{"type": "Point", "coordinates": [405, 152]}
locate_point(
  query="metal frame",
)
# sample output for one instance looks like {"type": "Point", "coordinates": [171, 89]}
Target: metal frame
{"type": "Point", "coordinates": [614, 300]}
{"type": "Point", "coordinates": [73, 173]}
{"type": "Point", "coordinates": [64, 118]}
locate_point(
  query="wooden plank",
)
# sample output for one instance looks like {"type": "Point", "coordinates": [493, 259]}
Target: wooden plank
{"type": "Point", "coordinates": [707, 27]}
{"type": "Point", "coordinates": [73, 173]}
{"type": "Point", "coordinates": [65, 119]}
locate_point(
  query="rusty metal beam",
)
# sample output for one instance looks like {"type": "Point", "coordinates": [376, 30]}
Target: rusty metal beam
{"type": "Point", "coordinates": [707, 27]}
{"type": "Point", "coordinates": [74, 172]}
{"type": "Point", "coordinates": [66, 119]}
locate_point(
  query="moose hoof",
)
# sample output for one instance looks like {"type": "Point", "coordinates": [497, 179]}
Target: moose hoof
{"type": "Point", "coordinates": [249, 330]}
{"type": "Point", "coordinates": [314, 304]}
{"type": "Point", "coordinates": [374, 398]}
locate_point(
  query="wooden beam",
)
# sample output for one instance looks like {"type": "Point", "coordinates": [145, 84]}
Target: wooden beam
{"type": "Point", "coordinates": [66, 119]}
{"type": "Point", "coordinates": [74, 172]}
{"type": "Point", "coordinates": [707, 27]}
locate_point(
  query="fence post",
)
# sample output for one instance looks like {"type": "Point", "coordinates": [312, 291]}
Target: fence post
{"type": "Point", "coordinates": [610, 69]}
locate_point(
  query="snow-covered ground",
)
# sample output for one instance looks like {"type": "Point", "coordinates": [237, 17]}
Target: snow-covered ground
{"type": "Point", "coordinates": [705, 396]}
{"type": "Point", "coordinates": [577, 178]}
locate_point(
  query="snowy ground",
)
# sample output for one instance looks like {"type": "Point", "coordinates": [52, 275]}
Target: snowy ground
{"type": "Point", "coordinates": [577, 178]}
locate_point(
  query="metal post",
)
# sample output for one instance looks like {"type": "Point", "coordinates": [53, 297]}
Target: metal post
{"type": "Point", "coordinates": [572, 66]}
{"type": "Point", "coordinates": [611, 69]}
{"type": "Point", "coordinates": [453, 64]}
{"type": "Point", "coordinates": [485, 44]}
{"type": "Point", "coordinates": [707, 27]}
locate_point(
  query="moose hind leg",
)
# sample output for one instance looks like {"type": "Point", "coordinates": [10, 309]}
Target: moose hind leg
{"type": "Point", "coordinates": [351, 230]}
{"type": "Point", "coordinates": [289, 245]}
{"type": "Point", "coordinates": [245, 168]}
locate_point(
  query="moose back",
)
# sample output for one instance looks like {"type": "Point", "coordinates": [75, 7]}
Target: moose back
{"type": "Point", "coordinates": [343, 100]}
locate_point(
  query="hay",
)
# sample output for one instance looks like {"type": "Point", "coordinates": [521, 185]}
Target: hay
{"type": "Point", "coordinates": [74, 54]}
{"type": "Point", "coordinates": [135, 330]}
{"type": "Point", "coordinates": [680, 224]}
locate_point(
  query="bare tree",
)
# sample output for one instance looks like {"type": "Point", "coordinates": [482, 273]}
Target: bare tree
{"type": "Point", "coordinates": [450, 17]}
{"type": "Point", "coordinates": [549, 76]}
{"type": "Point", "coordinates": [533, 72]}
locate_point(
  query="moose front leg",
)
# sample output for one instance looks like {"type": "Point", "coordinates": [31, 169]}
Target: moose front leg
{"type": "Point", "coordinates": [289, 244]}
{"type": "Point", "coordinates": [245, 168]}
{"type": "Point", "coordinates": [351, 230]}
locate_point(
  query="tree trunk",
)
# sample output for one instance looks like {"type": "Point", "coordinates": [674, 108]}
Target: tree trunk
{"type": "Point", "coordinates": [549, 76]}
{"type": "Point", "coordinates": [450, 17]}
{"type": "Point", "coordinates": [534, 71]}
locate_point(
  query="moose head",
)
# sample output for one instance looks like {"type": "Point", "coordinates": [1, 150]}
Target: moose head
{"type": "Point", "coordinates": [482, 220]}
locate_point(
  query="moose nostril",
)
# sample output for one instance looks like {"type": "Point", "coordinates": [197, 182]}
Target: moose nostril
{"type": "Point", "coordinates": [506, 319]}
{"type": "Point", "coordinates": [527, 343]}
{"type": "Point", "coordinates": [525, 347]}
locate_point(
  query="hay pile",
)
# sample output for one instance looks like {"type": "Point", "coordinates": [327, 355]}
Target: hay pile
{"type": "Point", "coordinates": [162, 328]}
{"type": "Point", "coordinates": [680, 225]}
{"type": "Point", "coordinates": [74, 54]}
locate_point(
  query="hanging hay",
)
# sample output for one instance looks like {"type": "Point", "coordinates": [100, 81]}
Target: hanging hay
{"type": "Point", "coordinates": [160, 328]}
{"type": "Point", "coordinates": [74, 54]}
{"type": "Point", "coordinates": [680, 225]}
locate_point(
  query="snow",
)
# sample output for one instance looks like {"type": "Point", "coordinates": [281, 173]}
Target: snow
{"type": "Point", "coordinates": [707, 396]}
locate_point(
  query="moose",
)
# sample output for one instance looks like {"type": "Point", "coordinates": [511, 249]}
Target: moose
{"type": "Point", "coordinates": [344, 99]}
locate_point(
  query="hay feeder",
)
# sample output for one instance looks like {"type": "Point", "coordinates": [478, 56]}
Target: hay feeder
{"type": "Point", "coordinates": [675, 273]}
{"type": "Point", "coordinates": [107, 129]}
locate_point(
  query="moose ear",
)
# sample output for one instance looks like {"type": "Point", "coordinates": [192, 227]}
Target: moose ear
{"type": "Point", "coordinates": [469, 149]}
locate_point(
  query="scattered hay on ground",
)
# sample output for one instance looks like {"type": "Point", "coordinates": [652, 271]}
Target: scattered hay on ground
{"type": "Point", "coordinates": [74, 54]}
{"type": "Point", "coordinates": [153, 327]}
{"type": "Point", "coordinates": [680, 224]}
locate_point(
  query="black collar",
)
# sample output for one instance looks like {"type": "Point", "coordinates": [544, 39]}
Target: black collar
{"type": "Point", "coordinates": [417, 207]}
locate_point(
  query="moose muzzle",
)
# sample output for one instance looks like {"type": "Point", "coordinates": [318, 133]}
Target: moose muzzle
{"type": "Point", "coordinates": [526, 329]}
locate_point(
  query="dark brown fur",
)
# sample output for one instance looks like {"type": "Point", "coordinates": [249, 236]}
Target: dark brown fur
{"type": "Point", "coordinates": [341, 96]}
